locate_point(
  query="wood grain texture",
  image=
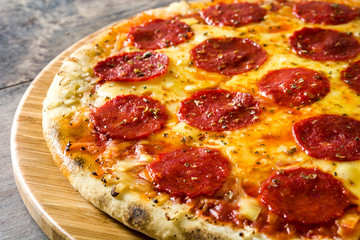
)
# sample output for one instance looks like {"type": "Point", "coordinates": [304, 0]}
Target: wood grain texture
{"type": "Point", "coordinates": [58, 209]}
{"type": "Point", "coordinates": [15, 221]}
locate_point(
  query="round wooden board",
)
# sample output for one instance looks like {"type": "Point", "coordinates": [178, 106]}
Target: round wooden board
{"type": "Point", "coordinates": [59, 210]}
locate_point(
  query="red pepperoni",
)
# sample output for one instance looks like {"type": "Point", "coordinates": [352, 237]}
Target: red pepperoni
{"type": "Point", "coordinates": [324, 44]}
{"type": "Point", "coordinates": [307, 196]}
{"type": "Point", "coordinates": [228, 56]}
{"type": "Point", "coordinates": [331, 137]}
{"type": "Point", "coordinates": [190, 172]}
{"type": "Point", "coordinates": [129, 117]}
{"type": "Point", "coordinates": [234, 15]}
{"type": "Point", "coordinates": [132, 67]}
{"type": "Point", "coordinates": [219, 110]}
{"type": "Point", "coordinates": [294, 87]}
{"type": "Point", "coordinates": [324, 12]}
{"type": "Point", "coordinates": [351, 76]}
{"type": "Point", "coordinates": [159, 33]}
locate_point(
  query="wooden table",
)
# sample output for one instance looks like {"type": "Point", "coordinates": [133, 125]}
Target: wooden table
{"type": "Point", "coordinates": [32, 33]}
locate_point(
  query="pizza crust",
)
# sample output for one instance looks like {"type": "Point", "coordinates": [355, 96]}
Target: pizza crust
{"type": "Point", "coordinates": [69, 92]}
{"type": "Point", "coordinates": [66, 93]}
{"type": "Point", "coordinates": [146, 217]}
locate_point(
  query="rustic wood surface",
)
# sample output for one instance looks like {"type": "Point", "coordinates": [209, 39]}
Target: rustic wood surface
{"type": "Point", "coordinates": [32, 33]}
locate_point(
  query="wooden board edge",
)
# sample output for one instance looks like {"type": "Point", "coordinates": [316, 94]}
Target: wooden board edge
{"type": "Point", "coordinates": [50, 228]}
{"type": "Point", "coordinates": [44, 221]}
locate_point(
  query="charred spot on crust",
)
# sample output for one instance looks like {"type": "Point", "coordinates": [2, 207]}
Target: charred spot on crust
{"type": "Point", "coordinates": [200, 234]}
{"type": "Point", "coordinates": [54, 134]}
{"type": "Point", "coordinates": [103, 201]}
{"type": "Point", "coordinates": [137, 216]}
{"type": "Point", "coordinates": [55, 130]}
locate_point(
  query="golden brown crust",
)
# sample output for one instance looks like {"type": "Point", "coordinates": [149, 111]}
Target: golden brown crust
{"type": "Point", "coordinates": [128, 207]}
{"type": "Point", "coordinates": [68, 102]}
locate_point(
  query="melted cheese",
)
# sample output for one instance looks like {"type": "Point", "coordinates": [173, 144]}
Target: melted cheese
{"type": "Point", "coordinates": [249, 208]}
{"type": "Point", "coordinates": [268, 143]}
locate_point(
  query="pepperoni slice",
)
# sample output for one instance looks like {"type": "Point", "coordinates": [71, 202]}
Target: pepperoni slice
{"type": "Point", "coordinates": [234, 15]}
{"type": "Point", "coordinates": [324, 44]}
{"type": "Point", "coordinates": [294, 87]}
{"type": "Point", "coordinates": [351, 76]}
{"type": "Point", "coordinates": [129, 117]}
{"type": "Point", "coordinates": [159, 33]}
{"type": "Point", "coordinates": [331, 137]}
{"type": "Point", "coordinates": [228, 56]}
{"type": "Point", "coordinates": [324, 12]}
{"type": "Point", "coordinates": [219, 110]}
{"type": "Point", "coordinates": [132, 67]}
{"type": "Point", "coordinates": [190, 172]}
{"type": "Point", "coordinates": [303, 195]}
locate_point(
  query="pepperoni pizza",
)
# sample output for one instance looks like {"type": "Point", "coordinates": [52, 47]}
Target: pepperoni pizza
{"type": "Point", "coordinates": [217, 120]}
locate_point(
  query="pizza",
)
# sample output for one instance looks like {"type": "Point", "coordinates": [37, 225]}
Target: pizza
{"type": "Point", "coordinates": [217, 120]}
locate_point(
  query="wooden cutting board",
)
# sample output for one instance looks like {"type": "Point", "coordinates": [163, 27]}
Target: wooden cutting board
{"type": "Point", "coordinates": [59, 210]}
